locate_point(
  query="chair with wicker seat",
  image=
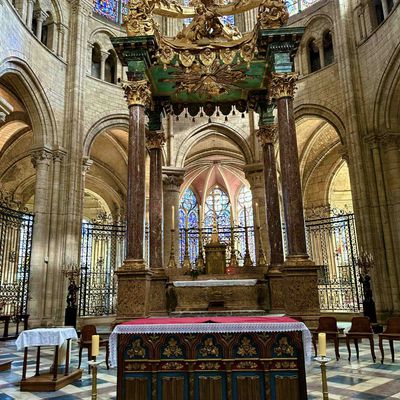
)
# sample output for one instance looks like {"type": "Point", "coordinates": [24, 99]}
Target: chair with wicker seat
{"type": "Point", "coordinates": [85, 342]}
{"type": "Point", "coordinates": [391, 333]}
{"type": "Point", "coordinates": [360, 329]}
{"type": "Point", "coordinates": [327, 325]}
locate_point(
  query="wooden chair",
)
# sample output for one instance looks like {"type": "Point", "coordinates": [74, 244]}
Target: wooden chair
{"type": "Point", "coordinates": [360, 329]}
{"type": "Point", "coordinates": [391, 333]}
{"type": "Point", "coordinates": [85, 342]}
{"type": "Point", "coordinates": [327, 325]}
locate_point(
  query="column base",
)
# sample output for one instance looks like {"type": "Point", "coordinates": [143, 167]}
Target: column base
{"type": "Point", "coordinates": [133, 290]}
{"type": "Point", "coordinates": [158, 290]}
{"type": "Point", "coordinates": [276, 289]}
{"type": "Point", "coordinates": [300, 277]}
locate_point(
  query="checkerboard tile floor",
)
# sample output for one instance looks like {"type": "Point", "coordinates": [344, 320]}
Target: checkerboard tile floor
{"type": "Point", "coordinates": [355, 380]}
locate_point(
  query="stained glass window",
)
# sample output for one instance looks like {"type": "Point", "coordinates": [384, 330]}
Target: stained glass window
{"type": "Point", "coordinates": [218, 200]}
{"type": "Point", "coordinates": [107, 8]}
{"type": "Point", "coordinates": [189, 209]}
{"type": "Point", "coordinates": [245, 206]}
{"type": "Point", "coordinates": [295, 6]}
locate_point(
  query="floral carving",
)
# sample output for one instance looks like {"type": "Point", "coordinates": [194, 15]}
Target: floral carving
{"type": "Point", "coordinates": [209, 366]}
{"type": "Point", "coordinates": [247, 365]}
{"type": "Point", "coordinates": [137, 93]}
{"type": "Point", "coordinates": [284, 348]}
{"type": "Point", "coordinates": [267, 134]}
{"type": "Point", "coordinates": [209, 348]}
{"type": "Point", "coordinates": [172, 350]}
{"type": "Point", "coordinates": [283, 85]}
{"type": "Point", "coordinates": [246, 348]}
{"type": "Point", "coordinates": [155, 139]}
{"type": "Point", "coordinates": [137, 350]}
{"type": "Point", "coordinates": [172, 365]}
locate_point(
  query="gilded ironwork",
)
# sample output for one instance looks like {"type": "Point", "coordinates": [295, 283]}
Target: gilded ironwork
{"type": "Point", "coordinates": [283, 85]}
{"type": "Point", "coordinates": [267, 134]}
{"type": "Point", "coordinates": [137, 93]}
{"type": "Point", "coordinates": [272, 14]}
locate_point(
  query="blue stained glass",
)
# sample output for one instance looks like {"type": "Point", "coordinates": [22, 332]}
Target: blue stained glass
{"type": "Point", "coordinates": [245, 202]}
{"type": "Point", "coordinates": [295, 6]}
{"type": "Point", "coordinates": [107, 8]}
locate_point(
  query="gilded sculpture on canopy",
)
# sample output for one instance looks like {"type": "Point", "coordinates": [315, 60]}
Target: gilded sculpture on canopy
{"type": "Point", "coordinates": [272, 14]}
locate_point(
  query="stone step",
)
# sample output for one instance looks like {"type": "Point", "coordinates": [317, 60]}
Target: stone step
{"type": "Point", "coordinates": [5, 365]}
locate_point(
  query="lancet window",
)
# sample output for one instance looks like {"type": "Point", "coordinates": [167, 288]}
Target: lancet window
{"type": "Point", "coordinates": [245, 207]}
{"type": "Point", "coordinates": [217, 201]}
{"type": "Point", "coordinates": [296, 6]}
{"type": "Point", "coordinates": [111, 9]}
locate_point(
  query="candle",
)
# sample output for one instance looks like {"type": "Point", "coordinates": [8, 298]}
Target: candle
{"type": "Point", "coordinates": [95, 345]}
{"type": "Point", "coordinates": [173, 218]}
{"type": "Point", "coordinates": [322, 344]}
{"type": "Point", "coordinates": [257, 216]}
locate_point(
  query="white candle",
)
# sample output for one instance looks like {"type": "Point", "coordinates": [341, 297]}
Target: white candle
{"type": "Point", "coordinates": [173, 218]}
{"type": "Point", "coordinates": [95, 345]}
{"type": "Point", "coordinates": [322, 344]}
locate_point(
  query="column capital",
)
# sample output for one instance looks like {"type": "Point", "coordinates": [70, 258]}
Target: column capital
{"type": "Point", "coordinates": [86, 164]}
{"type": "Point", "coordinates": [155, 139]}
{"type": "Point", "coordinates": [283, 85]}
{"type": "Point", "coordinates": [40, 15]}
{"type": "Point", "coordinates": [81, 6]}
{"type": "Point", "coordinates": [59, 155]}
{"type": "Point", "coordinates": [137, 93]}
{"type": "Point", "coordinates": [390, 140]}
{"type": "Point", "coordinates": [104, 55]}
{"type": "Point", "coordinates": [267, 134]}
{"type": "Point", "coordinates": [41, 156]}
{"type": "Point", "coordinates": [173, 178]}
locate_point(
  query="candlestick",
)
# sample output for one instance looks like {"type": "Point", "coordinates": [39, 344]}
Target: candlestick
{"type": "Point", "coordinates": [322, 344]}
{"type": "Point", "coordinates": [173, 218]}
{"type": "Point", "coordinates": [323, 361]}
{"type": "Point", "coordinates": [172, 262]}
{"type": "Point", "coordinates": [93, 366]}
{"type": "Point", "coordinates": [95, 345]}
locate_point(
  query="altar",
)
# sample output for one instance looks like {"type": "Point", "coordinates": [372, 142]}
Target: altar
{"type": "Point", "coordinates": [214, 358]}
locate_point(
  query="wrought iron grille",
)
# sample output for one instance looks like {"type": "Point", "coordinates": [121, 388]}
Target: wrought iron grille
{"type": "Point", "coordinates": [103, 250]}
{"type": "Point", "coordinates": [16, 228]}
{"type": "Point", "coordinates": [332, 243]}
{"type": "Point", "coordinates": [224, 236]}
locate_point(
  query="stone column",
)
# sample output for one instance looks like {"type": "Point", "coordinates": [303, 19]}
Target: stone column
{"type": "Point", "coordinates": [41, 159]}
{"type": "Point", "coordinates": [104, 56]}
{"type": "Point", "coordinates": [40, 18]}
{"type": "Point", "coordinates": [133, 276]}
{"type": "Point", "coordinates": [29, 14]}
{"type": "Point", "coordinates": [155, 140]}
{"type": "Point", "coordinates": [282, 89]}
{"type": "Point", "coordinates": [385, 8]}
{"type": "Point", "coordinates": [173, 179]}
{"type": "Point", "coordinates": [254, 174]}
{"type": "Point", "coordinates": [299, 272]}
{"type": "Point", "coordinates": [60, 40]}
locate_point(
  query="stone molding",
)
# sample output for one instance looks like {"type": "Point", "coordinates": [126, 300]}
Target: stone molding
{"type": "Point", "coordinates": [86, 164]}
{"type": "Point", "coordinates": [283, 85]}
{"type": "Point", "coordinates": [82, 6]}
{"type": "Point", "coordinates": [155, 139]}
{"type": "Point", "coordinates": [267, 134]}
{"type": "Point", "coordinates": [255, 175]}
{"type": "Point", "coordinates": [137, 93]}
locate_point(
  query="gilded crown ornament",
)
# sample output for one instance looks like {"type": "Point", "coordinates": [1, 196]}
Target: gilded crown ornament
{"type": "Point", "coordinates": [137, 93]}
{"type": "Point", "coordinates": [283, 85]}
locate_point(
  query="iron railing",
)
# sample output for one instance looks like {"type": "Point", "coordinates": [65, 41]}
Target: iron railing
{"type": "Point", "coordinates": [16, 227]}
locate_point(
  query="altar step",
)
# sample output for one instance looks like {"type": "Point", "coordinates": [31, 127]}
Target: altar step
{"type": "Point", "coordinates": [219, 313]}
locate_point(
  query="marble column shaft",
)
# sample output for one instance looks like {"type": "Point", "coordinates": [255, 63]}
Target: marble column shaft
{"type": "Point", "coordinates": [154, 142]}
{"type": "Point", "coordinates": [136, 196]}
{"type": "Point", "coordinates": [282, 89]}
{"type": "Point", "coordinates": [267, 135]}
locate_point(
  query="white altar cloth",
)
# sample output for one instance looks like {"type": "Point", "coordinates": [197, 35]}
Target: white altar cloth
{"type": "Point", "coordinates": [45, 337]}
{"type": "Point", "coordinates": [216, 282]}
{"type": "Point", "coordinates": [263, 324]}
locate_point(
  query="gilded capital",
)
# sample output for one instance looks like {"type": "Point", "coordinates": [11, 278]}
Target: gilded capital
{"type": "Point", "coordinates": [267, 134]}
{"type": "Point", "coordinates": [137, 93]}
{"type": "Point", "coordinates": [155, 139]}
{"type": "Point", "coordinates": [283, 85]}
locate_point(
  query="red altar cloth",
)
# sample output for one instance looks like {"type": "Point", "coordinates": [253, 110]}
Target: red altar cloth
{"type": "Point", "coordinates": [202, 320]}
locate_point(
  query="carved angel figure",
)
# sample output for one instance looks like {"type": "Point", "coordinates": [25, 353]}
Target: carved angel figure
{"type": "Point", "coordinates": [272, 14]}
